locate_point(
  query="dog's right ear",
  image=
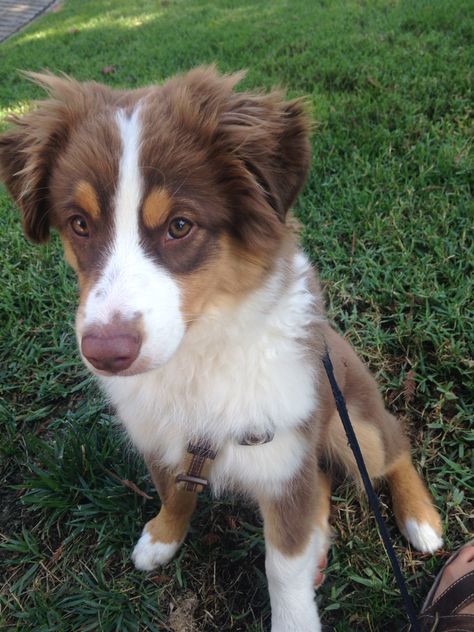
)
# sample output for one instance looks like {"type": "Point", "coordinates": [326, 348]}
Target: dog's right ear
{"type": "Point", "coordinates": [27, 154]}
{"type": "Point", "coordinates": [29, 150]}
{"type": "Point", "coordinates": [24, 169]}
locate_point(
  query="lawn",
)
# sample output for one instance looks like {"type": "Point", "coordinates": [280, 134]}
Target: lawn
{"type": "Point", "coordinates": [387, 217]}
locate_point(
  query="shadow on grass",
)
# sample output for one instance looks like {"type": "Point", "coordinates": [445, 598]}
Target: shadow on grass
{"type": "Point", "coordinates": [331, 46]}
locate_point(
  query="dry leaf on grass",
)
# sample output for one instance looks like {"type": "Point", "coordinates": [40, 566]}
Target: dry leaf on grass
{"type": "Point", "coordinates": [130, 484]}
{"type": "Point", "coordinates": [58, 553]}
{"type": "Point", "coordinates": [409, 386]}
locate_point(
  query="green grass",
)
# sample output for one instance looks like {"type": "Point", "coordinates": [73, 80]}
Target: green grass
{"type": "Point", "coordinates": [387, 218]}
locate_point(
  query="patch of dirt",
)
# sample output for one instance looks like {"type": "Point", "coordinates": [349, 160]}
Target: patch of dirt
{"type": "Point", "coordinates": [182, 615]}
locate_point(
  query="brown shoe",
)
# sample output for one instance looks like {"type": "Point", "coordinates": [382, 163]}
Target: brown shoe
{"type": "Point", "coordinates": [449, 606]}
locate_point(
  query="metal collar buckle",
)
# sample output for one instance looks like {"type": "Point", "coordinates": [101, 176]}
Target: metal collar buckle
{"type": "Point", "coordinates": [197, 483]}
{"type": "Point", "coordinates": [196, 465]}
{"type": "Point", "coordinates": [257, 439]}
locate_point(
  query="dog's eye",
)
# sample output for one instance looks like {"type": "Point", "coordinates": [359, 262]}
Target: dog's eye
{"type": "Point", "coordinates": [179, 228]}
{"type": "Point", "coordinates": [79, 226]}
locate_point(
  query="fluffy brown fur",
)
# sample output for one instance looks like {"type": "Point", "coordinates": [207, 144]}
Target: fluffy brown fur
{"type": "Point", "coordinates": [233, 163]}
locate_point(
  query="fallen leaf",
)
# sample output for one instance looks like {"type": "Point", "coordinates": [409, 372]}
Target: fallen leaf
{"type": "Point", "coordinates": [58, 553]}
{"type": "Point", "coordinates": [160, 579]}
{"type": "Point", "coordinates": [130, 484]}
{"type": "Point", "coordinates": [353, 246]}
{"type": "Point", "coordinates": [409, 386]}
{"type": "Point", "coordinates": [231, 522]}
{"type": "Point", "coordinates": [43, 427]}
{"type": "Point", "coordinates": [211, 538]}
{"type": "Point", "coordinates": [373, 82]}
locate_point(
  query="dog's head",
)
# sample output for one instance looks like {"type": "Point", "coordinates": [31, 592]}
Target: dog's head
{"type": "Point", "coordinates": [170, 201]}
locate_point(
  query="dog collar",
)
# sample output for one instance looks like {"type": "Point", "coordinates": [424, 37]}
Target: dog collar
{"type": "Point", "coordinates": [200, 456]}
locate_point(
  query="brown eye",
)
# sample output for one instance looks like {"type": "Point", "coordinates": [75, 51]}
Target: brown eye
{"type": "Point", "coordinates": [79, 226]}
{"type": "Point", "coordinates": [179, 228]}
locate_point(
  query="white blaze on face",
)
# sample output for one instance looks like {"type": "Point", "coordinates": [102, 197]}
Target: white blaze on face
{"type": "Point", "coordinates": [132, 287]}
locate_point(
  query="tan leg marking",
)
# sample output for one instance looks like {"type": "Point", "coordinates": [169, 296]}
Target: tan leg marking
{"type": "Point", "coordinates": [163, 535]}
{"type": "Point", "coordinates": [322, 521]}
{"type": "Point", "coordinates": [324, 501]}
{"type": "Point", "coordinates": [289, 521]}
{"type": "Point", "coordinates": [177, 506]}
{"type": "Point", "coordinates": [295, 545]}
{"type": "Point", "coordinates": [370, 442]}
{"type": "Point", "coordinates": [384, 446]}
{"type": "Point", "coordinates": [410, 497]}
{"type": "Point", "coordinates": [171, 524]}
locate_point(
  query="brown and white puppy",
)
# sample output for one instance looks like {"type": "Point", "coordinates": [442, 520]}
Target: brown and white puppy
{"type": "Point", "coordinates": [199, 314]}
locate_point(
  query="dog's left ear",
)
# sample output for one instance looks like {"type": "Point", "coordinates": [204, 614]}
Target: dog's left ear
{"type": "Point", "coordinates": [271, 138]}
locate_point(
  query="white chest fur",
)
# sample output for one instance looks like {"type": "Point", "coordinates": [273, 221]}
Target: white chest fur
{"type": "Point", "coordinates": [236, 372]}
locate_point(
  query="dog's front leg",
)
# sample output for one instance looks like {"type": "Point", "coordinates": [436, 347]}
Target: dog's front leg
{"type": "Point", "coordinates": [296, 542]}
{"type": "Point", "coordinates": [163, 534]}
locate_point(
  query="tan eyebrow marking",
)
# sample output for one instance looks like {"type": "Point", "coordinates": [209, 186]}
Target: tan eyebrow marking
{"type": "Point", "coordinates": [86, 198]}
{"type": "Point", "coordinates": [156, 207]}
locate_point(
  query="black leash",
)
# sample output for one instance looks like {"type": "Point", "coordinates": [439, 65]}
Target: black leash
{"type": "Point", "coordinates": [372, 496]}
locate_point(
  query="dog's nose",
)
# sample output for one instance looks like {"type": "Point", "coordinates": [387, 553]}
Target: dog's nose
{"type": "Point", "coordinates": [112, 348]}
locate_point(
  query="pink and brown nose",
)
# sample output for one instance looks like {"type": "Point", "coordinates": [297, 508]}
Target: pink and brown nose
{"type": "Point", "coordinates": [112, 348]}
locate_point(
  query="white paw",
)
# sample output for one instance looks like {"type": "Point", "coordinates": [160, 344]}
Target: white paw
{"type": "Point", "coordinates": [297, 622]}
{"type": "Point", "coordinates": [147, 555]}
{"type": "Point", "coordinates": [422, 536]}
